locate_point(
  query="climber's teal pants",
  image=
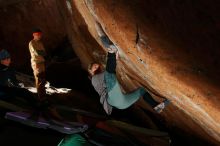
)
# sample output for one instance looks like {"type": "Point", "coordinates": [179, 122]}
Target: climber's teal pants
{"type": "Point", "coordinates": [115, 96]}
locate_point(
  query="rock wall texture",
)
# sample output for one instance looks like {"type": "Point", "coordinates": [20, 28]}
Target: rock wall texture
{"type": "Point", "coordinates": [19, 17]}
{"type": "Point", "coordinates": [169, 47]}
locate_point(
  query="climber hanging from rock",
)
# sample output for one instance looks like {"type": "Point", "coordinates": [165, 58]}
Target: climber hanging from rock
{"type": "Point", "coordinates": [106, 84]}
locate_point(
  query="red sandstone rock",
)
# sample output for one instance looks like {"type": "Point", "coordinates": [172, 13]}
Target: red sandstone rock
{"type": "Point", "coordinates": [163, 48]}
{"type": "Point", "coordinates": [171, 48]}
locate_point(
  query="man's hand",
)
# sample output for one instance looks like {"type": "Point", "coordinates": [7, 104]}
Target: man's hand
{"type": "Point", "coordinates": [15, 84]}
{"type": "Point", "coordinates": [21, 85]}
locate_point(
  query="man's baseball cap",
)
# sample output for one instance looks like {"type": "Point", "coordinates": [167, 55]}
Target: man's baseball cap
{"type": "Point", "coordinates": [36, 30]}
{"type": "Point", "coordinates": [4, 54]}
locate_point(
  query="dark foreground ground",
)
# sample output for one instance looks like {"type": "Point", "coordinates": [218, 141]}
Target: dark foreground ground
{"type": "Point", "coordinates": [16, 134]}
{"type": "Point", "coordinates": [13, 133]}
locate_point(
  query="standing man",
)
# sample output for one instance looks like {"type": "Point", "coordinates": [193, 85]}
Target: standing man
{"type": "Point", "coordinates": [38, 54]}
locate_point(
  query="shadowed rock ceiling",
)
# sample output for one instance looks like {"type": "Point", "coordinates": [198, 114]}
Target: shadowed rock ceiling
{"type": "Point", "coordinates": [169, 47]}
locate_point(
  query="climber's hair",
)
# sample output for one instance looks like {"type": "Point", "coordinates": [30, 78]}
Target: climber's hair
{"type": "Point", "coordinates": [99, 70]}
{"type": "Point", "coordinates": [91, 64]}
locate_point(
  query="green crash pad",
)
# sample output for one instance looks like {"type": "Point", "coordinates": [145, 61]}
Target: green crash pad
{"type": "Point", "coordinates": [74, 140]}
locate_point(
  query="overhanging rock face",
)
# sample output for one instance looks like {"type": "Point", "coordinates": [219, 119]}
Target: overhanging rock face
{"type": "Point", "coordinates": [170, 48]}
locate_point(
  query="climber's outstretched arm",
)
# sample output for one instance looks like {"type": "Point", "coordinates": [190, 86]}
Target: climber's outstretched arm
{"type": "Point", "coordinates": [111, 63]}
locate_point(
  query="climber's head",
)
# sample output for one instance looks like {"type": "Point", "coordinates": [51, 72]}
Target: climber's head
{"type": "Point", "coordinates": [95, 68]}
